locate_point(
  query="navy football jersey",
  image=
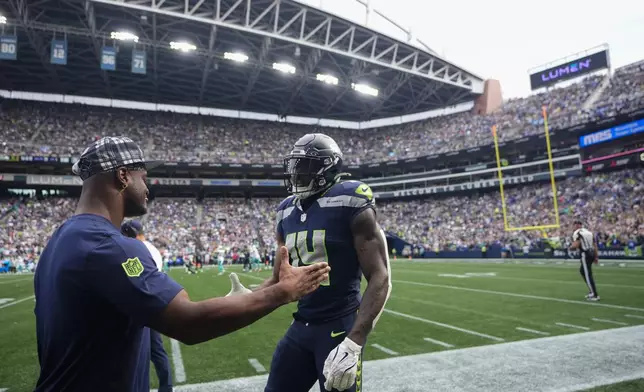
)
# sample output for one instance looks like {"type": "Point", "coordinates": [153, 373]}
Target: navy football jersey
{"type": "Point", "coordinates": [319, 230]}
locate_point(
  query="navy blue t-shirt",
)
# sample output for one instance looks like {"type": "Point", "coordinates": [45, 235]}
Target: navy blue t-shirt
{"type": "Point", "coordinates": [96, 290]}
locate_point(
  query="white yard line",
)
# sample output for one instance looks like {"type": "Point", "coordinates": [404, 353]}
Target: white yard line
{"type": "Point", "coordinates": [438, 342]}
{"type": "Point", "coordinates": [508, 319]}
{"type": "Point", "coordinates": [506, 294]}
{"type": "Point", "coordinates": [259, 368]}
{"type": "Point", "coordinates": [609, 321]}
{"type": "Point", "coordinates": [573, 326]}
{"type": "Point", "coordinates": [6, 301]}
{"type": "Point", "coordinates": [384, 349]}
{"type": "Point", "coordinates": [17, 302]}
{"type": "Point", "coordinates": [16, 280]}
{"type": "Point", "coordinates": [635, 316]}
{"type": "Point", "coordinates": [9, 276]}
{"type": "Point", "coordinates": [513, 278]}
{"type": "Point", "coordinates": [177, 360]}
{"type": "Point", "coordinates": [247, 275]}
{"type": "Point", "coordinates": [534, 331]}
{"type": "Point", "coordinates": [444, 325]}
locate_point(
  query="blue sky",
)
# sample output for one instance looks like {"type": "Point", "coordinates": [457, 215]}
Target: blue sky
{"type": "Point", "coordinates": [503, 39]}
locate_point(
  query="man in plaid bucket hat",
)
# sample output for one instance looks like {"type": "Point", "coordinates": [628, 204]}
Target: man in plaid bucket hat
{"type": "Point", "coordinates": [114, 157]}
{"type": "Point", "coordinates": [98, 291]}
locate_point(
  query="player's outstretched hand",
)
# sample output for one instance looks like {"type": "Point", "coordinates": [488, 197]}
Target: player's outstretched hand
{"type": "Point", "coordinates": [300, 281]}
{"type": "Point", "coordinates": [237, 288]}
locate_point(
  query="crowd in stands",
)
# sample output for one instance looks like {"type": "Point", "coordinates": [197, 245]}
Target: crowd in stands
{"type": "Point", "coordinates": [42, 129]}
{"type": "Point", "coordinates": [624, 93]}
{"type": "Point", "coordinates": [26, 226]}
{"type": "Point", "coordinates": [610, 204]}
{"type": "Point", "coordinates": [172, 225]}
{"type": "Point", "coordinates": [179, 227]}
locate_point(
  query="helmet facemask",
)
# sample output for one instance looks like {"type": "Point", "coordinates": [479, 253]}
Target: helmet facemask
{"type": "Point", "coordinates": [306, 175]}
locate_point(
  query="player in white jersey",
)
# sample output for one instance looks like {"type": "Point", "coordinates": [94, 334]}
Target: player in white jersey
{"type": "Point", "coordinates": [134, 229]}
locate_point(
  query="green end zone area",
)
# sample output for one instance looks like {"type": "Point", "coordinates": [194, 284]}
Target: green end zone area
{"type": "Point", "coordinates": [433, 307]}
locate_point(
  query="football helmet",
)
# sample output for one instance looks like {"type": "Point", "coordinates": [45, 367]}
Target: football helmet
{"type": "Point", "coordinates": [312, 165]}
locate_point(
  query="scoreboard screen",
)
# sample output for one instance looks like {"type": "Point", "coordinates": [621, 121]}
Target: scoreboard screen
{"type": "Point", "coordinates": [569, 70]}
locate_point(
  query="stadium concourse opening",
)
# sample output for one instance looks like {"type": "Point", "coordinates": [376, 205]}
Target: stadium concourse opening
{"type": "Point", "coordinates": [222, 90]}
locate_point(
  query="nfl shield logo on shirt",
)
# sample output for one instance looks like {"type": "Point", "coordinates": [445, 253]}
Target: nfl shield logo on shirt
{"type": "Point", "coordinates": [133, 267]}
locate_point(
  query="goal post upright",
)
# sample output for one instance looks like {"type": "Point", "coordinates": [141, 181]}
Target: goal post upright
{"type": "Point", "coordinates": [550, 165]}
{"type": "Point", "coordinates": [500, 172]}
{"type": "Point", "coordinates": [553, 184]}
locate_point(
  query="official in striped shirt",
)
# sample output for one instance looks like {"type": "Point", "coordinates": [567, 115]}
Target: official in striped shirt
{"type": "Point", "coordinates": [584, 240]}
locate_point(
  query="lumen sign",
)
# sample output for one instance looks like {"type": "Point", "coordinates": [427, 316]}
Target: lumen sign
{"type": "Point", "coordinates": [569, 70]}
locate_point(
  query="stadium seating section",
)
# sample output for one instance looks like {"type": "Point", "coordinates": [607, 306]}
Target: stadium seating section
{"type": "Point", "coordinates": [41, 129]}
{"type": "Point", "coordinates": [611, 202]}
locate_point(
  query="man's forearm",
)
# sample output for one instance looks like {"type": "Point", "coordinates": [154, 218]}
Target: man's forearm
{"type": "Point", "coordinates": [216, 317]}
{"type": "Point", "coordinates": [373, 301]}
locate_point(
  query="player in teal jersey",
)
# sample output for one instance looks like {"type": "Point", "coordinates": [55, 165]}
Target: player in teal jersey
{"type": "Point", "coordinates": [221, 253]}
{"type": "Point", "coordinates": [253, 253]}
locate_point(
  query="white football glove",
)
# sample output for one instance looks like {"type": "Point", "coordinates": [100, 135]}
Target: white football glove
{"type": "Point", "coordinates": [341, 366]}
{"type": "Point", "coordinates": [237, 287]}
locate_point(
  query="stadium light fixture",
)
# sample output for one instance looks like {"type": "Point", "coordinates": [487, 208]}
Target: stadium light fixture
{"type": "Point", "coordinates": [239, 57]}
{"type": "Point", "coordinates": [124, 36]}
{"type": "Point", "coordinates": [182, 46]}
{"type": "Point", "coordinates": [3, 19]}
{"type": "Point", "coordinates": [328, 79]}
{"type": "Point", "coordinates": [365, 89]}
{"type": "Point", "coordinates": [284, 67]}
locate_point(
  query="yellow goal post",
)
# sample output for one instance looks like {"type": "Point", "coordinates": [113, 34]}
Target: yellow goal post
{"type": "Point", "coordinates": [552, 180]}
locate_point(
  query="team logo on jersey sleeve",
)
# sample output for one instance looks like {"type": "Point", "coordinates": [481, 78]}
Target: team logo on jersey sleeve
{"type": "Point", "coordinates": [133, 267]}
{"type": "Point", "coordinates": [365, 191]}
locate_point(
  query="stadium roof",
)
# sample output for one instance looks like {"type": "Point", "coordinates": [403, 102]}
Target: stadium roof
{"type": "Point", "coordinates": [409, 79]}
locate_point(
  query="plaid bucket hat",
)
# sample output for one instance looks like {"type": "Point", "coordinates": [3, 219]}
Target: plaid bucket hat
{"type": "Point", "coordinates": [108, 154]}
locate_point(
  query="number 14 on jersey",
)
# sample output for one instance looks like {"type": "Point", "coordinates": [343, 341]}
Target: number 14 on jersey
{"type": "Point", "coordinates": [299, 250]}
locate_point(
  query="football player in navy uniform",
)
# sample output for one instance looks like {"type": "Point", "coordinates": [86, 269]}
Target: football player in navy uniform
{"type": "Point", "coordinates": [329, 220]}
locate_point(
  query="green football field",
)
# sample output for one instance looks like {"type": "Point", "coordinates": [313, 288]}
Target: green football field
{"type": "Point", "coordinates": [454, 304]}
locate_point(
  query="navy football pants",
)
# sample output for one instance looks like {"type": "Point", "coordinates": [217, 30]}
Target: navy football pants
{"type": "Point", "coordinates": [586, 271]}
{"type": "Point", "coordinates": [299, 358]}
{"type": "Point", "coordinates": [160, 360]}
